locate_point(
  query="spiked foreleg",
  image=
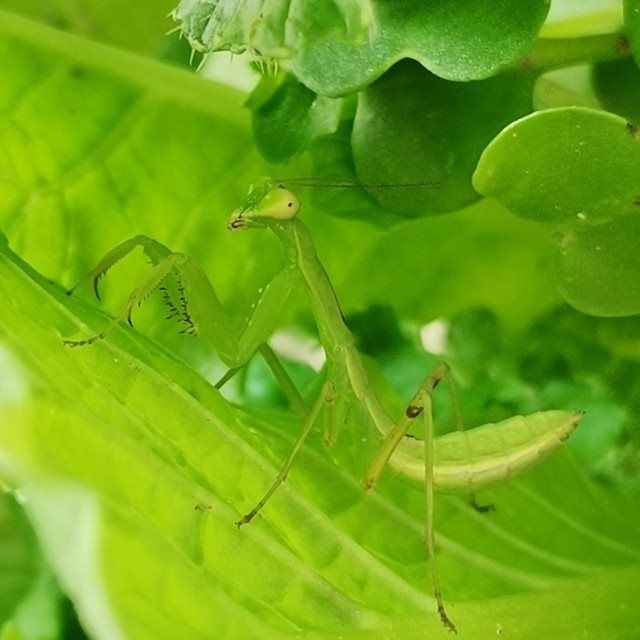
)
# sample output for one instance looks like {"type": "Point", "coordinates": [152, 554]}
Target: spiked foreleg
{"type": "Point", "coordinates": [154, 250]}
{"type": "Point", "coordinates": [148, 285]}
{"type": "Point", "coordinates": [191, 298]}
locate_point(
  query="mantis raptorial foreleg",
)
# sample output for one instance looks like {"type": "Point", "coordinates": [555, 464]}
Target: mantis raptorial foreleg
{"type": "Point", "coordinates": [189, 295]}
{"type": "Point", "coordinates": [155, 252]}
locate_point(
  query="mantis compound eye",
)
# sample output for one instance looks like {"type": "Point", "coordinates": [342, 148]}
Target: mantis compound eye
{"type": "Point", "coordinates": [279, 203]}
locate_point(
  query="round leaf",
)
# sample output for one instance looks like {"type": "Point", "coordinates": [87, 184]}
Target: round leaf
{"type": "Point", "coordinates": [412, 126]}
{"type": "Point", "coordinates": [281, 121]}
{"type": "Point", "coordinates": [455, 40]}
{"type": "Point", "coordinates": [564, 165]}
{"type": "Point", "coordinates": [617, 85]}
{"type": "Point", "coordinates": [599, 268]}
{"type": "Point", "coordinates": [632, 21]}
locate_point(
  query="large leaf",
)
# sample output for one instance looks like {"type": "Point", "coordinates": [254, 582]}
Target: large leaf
{"type": "Point", "coordinates": [324, 555]}
{"type": "Point", "coordinates": [130, 24]}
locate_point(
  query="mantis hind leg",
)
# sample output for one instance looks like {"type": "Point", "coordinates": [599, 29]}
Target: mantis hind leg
{"type": "Point", "coordinates": [429, 530]}
{"type": "Point", "coordinates": [420, 405]}
{"type": "Point", "coordinates": [399, 430]}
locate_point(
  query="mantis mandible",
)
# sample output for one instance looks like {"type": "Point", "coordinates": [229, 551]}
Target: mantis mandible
{"type": "Point", "coordinates": [461, 461]}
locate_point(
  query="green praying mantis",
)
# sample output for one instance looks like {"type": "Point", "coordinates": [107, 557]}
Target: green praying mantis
{"type": "Point", "coordinates": [458, 462]}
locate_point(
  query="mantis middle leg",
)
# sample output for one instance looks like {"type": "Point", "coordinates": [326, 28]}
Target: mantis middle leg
{"type": "Point", "coordinates": [325, 397]}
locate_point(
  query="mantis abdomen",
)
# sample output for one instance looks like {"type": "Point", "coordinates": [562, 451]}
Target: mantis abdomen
{"type": "Point", "coordinates": [468, 461]}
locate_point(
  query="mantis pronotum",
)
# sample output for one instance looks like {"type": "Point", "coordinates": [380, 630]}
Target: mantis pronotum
{"type": "Point", "coordinates": [461, 461]}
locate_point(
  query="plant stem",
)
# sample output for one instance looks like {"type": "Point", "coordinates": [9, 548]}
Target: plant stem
{"type": "Point", "coordinates": [554, 53]}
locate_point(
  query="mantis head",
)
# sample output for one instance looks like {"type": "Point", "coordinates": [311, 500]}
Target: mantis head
{"type": "Point", "coordinates": [267, 200]}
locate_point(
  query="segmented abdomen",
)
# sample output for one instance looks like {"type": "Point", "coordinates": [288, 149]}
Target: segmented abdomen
{"type": "Point", "coordinates": [467, 461]}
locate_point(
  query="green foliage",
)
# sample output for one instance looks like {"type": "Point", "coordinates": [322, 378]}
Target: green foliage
{"type": "Point", "coordinates": [132, 468]}
{"type": "Point", "coordinates": [386, 150]}
{"type": "Point", "coordinates": [19, 566]}
{"type": "Point", "coordinates": [632, 19]}
{"type": "Point", "coordinates": [617, 84]}
{"type": "Point", "coordinates": [339, 47]}
{"type": "Point", "coordinates": [331, 554]}
{"type": "Point", "coordinates": [135, 26]}
{"type": "Point", "coordinates": [454, 40]}
{"type": "Point", "coordinates": [31, 604]}
{"type": "Point", "coordinates": [599, 267]}
{"type": "Point", "coordinates": [565, 164]}
{"type": "Point", "coordinates": [585, 174]}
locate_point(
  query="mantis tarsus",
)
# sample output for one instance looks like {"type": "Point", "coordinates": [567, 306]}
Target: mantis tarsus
{"type": "Point", "coordinates": [461, 461]}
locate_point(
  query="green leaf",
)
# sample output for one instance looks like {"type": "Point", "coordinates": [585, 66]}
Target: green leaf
{"type": "Point", "coordinates": [565, 606]}
{"type": "Point", "coordinates": [286, 116]}
{"type": "Point", "coordinates": [335, 560]}
{"type": "Point", "coordinates": [580, 167]}
{"type": "Point", "coordinates": [563, 165]}
{"type": "Point", "coordinates": [44, 614]}
{"type": "Point", "coordinates": [338, 47]}
{"type": "Point", "coordinates": [617, 84]}
{"type": "Point", "coordinates": [412, 126]}
{"type": "Point", "coordinates": [131, 25]}
{"type": "Point", "coordinates": [31, 604]}
{"type": "Point", "coordinates": [451, 39]}
{"type": "Point", "coordinates": [19, 567]}
{"type": "Point", "coordinates": [599, 269]}
{"type": "Point", "coordinates": [632, 22]}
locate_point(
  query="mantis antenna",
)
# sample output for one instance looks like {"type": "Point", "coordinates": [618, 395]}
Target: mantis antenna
{"type": "Point", "coordinates": [344, 184]}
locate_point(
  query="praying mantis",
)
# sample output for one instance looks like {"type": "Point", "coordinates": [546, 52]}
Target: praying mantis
{"type": "Point", "coordinates": [458, 462]}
